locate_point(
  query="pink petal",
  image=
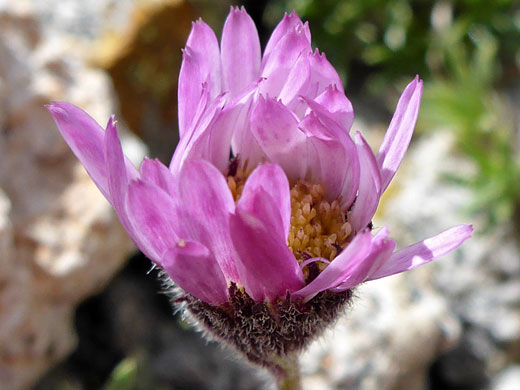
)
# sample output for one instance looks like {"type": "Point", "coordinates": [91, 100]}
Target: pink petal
{"type": "Point", "coordinates": [218, 143]}
{"type": "Point", "coordinates": [204, 193]}
{"type": "Point", "coordinates": [297, 82]}
{"type": "Point", "coordinates": [183, 151]}
{"type": "Point", "coordinates": [323, 74]}
{"type": "Point", "coordinates": [276, 131]}
{"type": "Point", "coordinates": [339, 269]}
{"type": "Point", "coordinates": [203, 42]}
{"type": "Point", "coordinates": [369, 190]}
{"type": "Point", "coordinates": [116, 170]}
{"type": "Point", "coordinates": [243, 142]}
{"type": "Point", "coordinates": [153, 217]}
{"type": "Point", "coordinates": [336, 131]}
{"type": "Point", "coordinates": [284, 56]}
{"type": "Point", "coordinates": [271, 179]}
{"type": "Point", "coordinates": [192, 96]}
{"type": "Point", "coordinates": [240, 51]}
{"type": "Point", "coordinates": [288, 23]}
{"type": "Point", "coordinates": [399, 133]}
{"type": "Point", "coordinates": [424, 251]}
{"type": "Point", "coordinates": [267, 267]}
{"type": "Point", "coordinates": [313, 260]}
{"type": "Point", "coordinates": [381, 249]}
{"type": "Point", "coordinates": [86, 139]}
{"type": "Point", "coordinates": [335, 101]}
{"type": "Point", "coordinates": [118, 177]}
{"type": "Point", "coordinates": [352, 178]}
{"type": "Point", "coordinates": [328, 164]}
{"type": "Point", "coordinates": [214, 143]}
{"type": "Point", "coordinates": [192, 266]}
{"type": "Point", "coordinates": [157, 173]}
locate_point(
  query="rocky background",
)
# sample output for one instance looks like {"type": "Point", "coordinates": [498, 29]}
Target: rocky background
{"type": "Point", "coordinates": [78, 308]}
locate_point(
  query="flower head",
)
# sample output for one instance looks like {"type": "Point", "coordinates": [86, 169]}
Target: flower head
{"type": "Point", "coordinates": [282, 231]}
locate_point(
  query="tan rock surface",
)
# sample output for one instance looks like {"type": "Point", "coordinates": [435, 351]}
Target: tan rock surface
{"type": "Point", "coordinates": [59, 238]}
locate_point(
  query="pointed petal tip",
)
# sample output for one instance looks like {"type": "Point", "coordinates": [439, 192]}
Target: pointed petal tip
{"type": "Point", "coordinates": [468, 229]}
{"type": "Point", "coordinates": [239, 44]}
{"type": "Point", "coordinates": [358, 137]}
{"type": "Point", "coordinates": [424, 251]}
{"type": "Point", "coordinates": [416, 83]}
{"type": "Point", "coordinates": [55, 103]}
{"type": "Point", "coordinates": [112, 124]}
{"type": "Point", "coordinates": [151, 160]}
{"type": "Point", "coordinates": [55, 111]}
{"type": "Point", "coordinates": [317, 54]}
{"type": "Point", "coordinates": [463, 231]}
{"type": "Point", "coordinates": [200, 26]}
{"type": "Point", "coordinates": [384, 231]}
{"type": "Point", "coordinates": [59, 108]}
{"type": "Point", "coordinates": [187, 52]}
{"type": "Point", "coordinates": [50, 106]}
{"type": "Point", "coordinates": [400, 131]}
{"type": "Point", "coordinates": [233, 10]}
{"type": "Point", "coordinates": [137, 182]}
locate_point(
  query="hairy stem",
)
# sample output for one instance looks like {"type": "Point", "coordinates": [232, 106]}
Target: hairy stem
{"type": "Point", "coordinates": [288, 378]}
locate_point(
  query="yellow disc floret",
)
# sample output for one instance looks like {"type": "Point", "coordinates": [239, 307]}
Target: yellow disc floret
{"type": "Point", "coordinates": [318, 228]}
{"type": "Point", "coordinates": [237, 179]}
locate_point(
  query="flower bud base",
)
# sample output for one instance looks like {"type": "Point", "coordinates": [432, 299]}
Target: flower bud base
{"type": "Point", "coordinates": [266, 333]}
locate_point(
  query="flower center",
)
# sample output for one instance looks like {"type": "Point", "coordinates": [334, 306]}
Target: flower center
{"type": "Point", "coordinates": [236, 179]}
{"type": "Point", "coordinates": [318, 227]}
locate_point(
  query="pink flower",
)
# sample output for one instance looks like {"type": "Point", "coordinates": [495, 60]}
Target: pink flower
{"type": "Point", "coordinates": [290, 214]}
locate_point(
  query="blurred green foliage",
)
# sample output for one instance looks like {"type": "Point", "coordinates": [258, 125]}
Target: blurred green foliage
{"type": "Point", "coordinates": [463, 49]}
{"type": "Point", "coordinates": [466, 102]}
{"type": "Point", "coordinates": [392, 38]}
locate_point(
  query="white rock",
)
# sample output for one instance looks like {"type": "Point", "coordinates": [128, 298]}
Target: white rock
{"type": "Point", "coordinates": [481, 280]}
{"type": "Point", "coordinates": [509, 379]}
{"type": "Point", "coordinates": [387, 341]}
